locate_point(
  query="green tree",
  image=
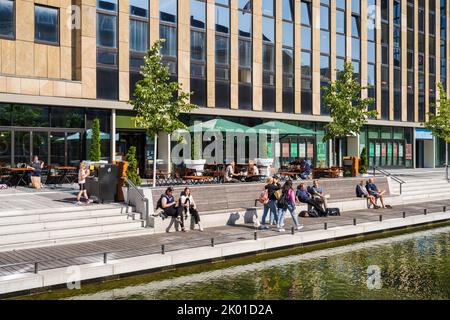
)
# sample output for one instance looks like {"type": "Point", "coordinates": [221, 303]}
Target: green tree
{"type": "Point", "coordinates": [439, 123]}
{"type": "Point", "coordinates": [363, 162]}
{"type": "Point", "coordinates": [95, 153]}
{"type": "Point", "coordinates": [348, 110]}
{"type": "Point", "coordinates": [157, 101]}
{"type": "Point", "coordinates": [132, 170]}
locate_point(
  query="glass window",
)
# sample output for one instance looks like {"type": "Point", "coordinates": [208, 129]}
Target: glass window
{"type": "Point", "coordinates": [67, 117]}
{"type": "Point", "coordinates": [106, 30]}
{"type": "Point", "coordinates": [168, 10]}
{"type": "Point", "coordinates": [30, 116]}
{"type": "Point", "coordinates": [109, 5]}
{"type": "Point", "coordinates": [245, 4]}
{"type": "Point", "coordinates": [268, 8]}
{"type": "Point", "coordinates": [306, 64]}
{"type": "Point", "coordinates": [288, 34]}
{"type": "Point", "coordinates": [324, 18]}
{"type": "Point", "coordinates": [6, 18]}
{"type": "Point", "coordinates": [340, 21]}
{"type": "Point", "coordinates": [245, 54]}
{"type": "Point", "coordinates": [139, 8]}
{"type": "Point", "coordinates": [340, 45]}
{"type": "Point", "coordinates": [169, 47]}
{"type": "Point", "coordinates": [46, 24]}
{"type": "Point", "coordinates": [306, 38]}
{"type": "Point", "coordinates": [288, 61]}
{"type": "Point", "coordinates": [138, 35]}
{"type": "Point", "coordinates": [268, 30]}
{"type": "Point", "coordinates": [198, 14]}
{"type": "Point", "coordinates": [356, 51]}
{"type": "Point", "coordinates": [325, 42]}
{"type": "Point", "coordinates": [5, 148]}
{"type": "Point", "coordinates": [306, 13]}
{"type": "Point", "coordinates": [325, 67]}
{"type": "Point", "coordinates": [288, 10]}
{"type": "Point", "coordinates": [5, 115]}
{"type": "Point", "coordinates": [222, 19]}
{"type": "Point", "coordinates": [340, 4]}
{"type": "Point", "coordinates": [222, 50]}
{"type": "Point", "coordinates": [198, 46]}
{"type": "Point", "coordinates": [245, 24]}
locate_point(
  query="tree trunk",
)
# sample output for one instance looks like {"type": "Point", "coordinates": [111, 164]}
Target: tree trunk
{"type": "Point", "coordinates": [154, 159]}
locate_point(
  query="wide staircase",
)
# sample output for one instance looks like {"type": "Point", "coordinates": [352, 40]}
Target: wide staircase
{"type": "Point", "coordinates": [235, 204]}
{"type": "Point", "coordinates": [21, 229]}
{"type": "Point", "coordinates": [422, 187]}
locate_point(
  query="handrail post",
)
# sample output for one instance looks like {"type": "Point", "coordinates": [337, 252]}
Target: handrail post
{"type": "Point", "coordinates": [36, 267]}
{"type": "Point", "coordinates": [105, 258]}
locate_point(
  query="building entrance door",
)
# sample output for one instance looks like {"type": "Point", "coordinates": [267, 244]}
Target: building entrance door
{"type": "Point", "coordinates": [420, 154]}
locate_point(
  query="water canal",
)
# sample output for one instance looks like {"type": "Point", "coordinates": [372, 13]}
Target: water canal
{"type": "Point", "coordinates": [411, 266]}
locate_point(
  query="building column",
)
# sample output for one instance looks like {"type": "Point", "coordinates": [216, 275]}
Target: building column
{"type": "Point", "coordinates": [211, 53]}
{"type": "Point", "coordinates": [257, 55]}
{"type": "Point", "coordinates": [391, 60]}
{"type": "Point", "coordinates": [416, 67]}
{"type": "Point", "coordinates": [234, 55]}
{"type": "Point", "coordinates": [378, 64]}
{"type": "Point", "coordinates": [278, 56]}
{"type": "Point", "coordinates": [184, 45]}
{"type": "Point", "coordinates": [124, 50]}
{"type": "Point", "coordinates": [404, 61]}
{"type": "Point", "coordinates": [164, 144]}
{"type": "Point", "coordinates": [297, 59]}
{"type": "Point", "coordinates": [427, 60]}
{"type": "Point", "coordinates": [154, 22]}
{"type": "Point", "coordinates": [363, 61]}
{"type": "Point", "coordinates": [113, 135]}
{"type": "Point", "coordinates": [315, 29]}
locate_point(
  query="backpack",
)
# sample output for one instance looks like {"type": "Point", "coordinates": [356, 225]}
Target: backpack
{"type": "Point", "coordinates": [359, 193]}
{"type": "Point", "coordinates": [159, 203]}
{"type": "Point", "coordinates": [283, 201]}
{"type": "Point", "coordinates": [313, 213]}
{"type": "Point", "coordinates": [333, 212]}
{"type": "Point", "coordinates": [277, 194]}
{"type": "Point", "coordinates": [264, 197]}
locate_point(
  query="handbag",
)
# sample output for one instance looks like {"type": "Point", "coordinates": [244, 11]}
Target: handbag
{"type": "Point", "coordinates": [36, 182]}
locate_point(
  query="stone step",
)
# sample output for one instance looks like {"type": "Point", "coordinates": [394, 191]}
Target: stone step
{"type": "Point", "coordinates": [76, 239]}
{"type": "Point", "coordinates": [68, 232]}
{"type": "Point", "coordinates": [75, 208]}
{"type": "Point", "coordinates": [64, 222]}
{"type": "Point", "coordinates": [57, 215]}
{"type": "Point", "coordinates": [418, 190]}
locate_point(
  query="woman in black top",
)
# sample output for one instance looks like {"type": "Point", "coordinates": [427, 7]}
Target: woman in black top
{"type": "Point", "coordinates": [172, 208]}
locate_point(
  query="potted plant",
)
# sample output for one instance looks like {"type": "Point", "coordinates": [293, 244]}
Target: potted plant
{"type": "Point", "coordinates": [363, 163]}
{"type": "Point", "coordinates": [264, 163]}
{"type": "Point", "coordinates": [197, 163]}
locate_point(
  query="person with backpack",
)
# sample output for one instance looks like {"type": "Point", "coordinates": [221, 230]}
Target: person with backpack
{"type": "Point", "coordinates": [304, 196]}
{"type": "Point", "coordinates": [287, 202]}
{"type": "Point", "coordinates": [271, 188]}
{"type": "Point", "coordinates": [172, 208]}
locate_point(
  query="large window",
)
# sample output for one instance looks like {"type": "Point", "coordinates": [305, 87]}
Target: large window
{"type": "Point", "coordinates": [198, 52]}
{"type": "Point", "coordinates": [268, 53]}
{"type": "Point", "coordinates": [385, 60]}
{"type": "Point", "coordinates": [432, 56]}
{"type": "Point", "coordinates": [371, 53]}
{"type": "Point", "coordinates": [356, 39]}
{"type": "Point", "coordinates": [397, 9]}
{"type": "Point", "coordinates": [341, 41]}
{"type": "Point", "coordinates": [6, 19]}
{"type": "Point", "coordinates": [245, 54]}
{"type": "Point", "coordinates": [168, 12]}
{"type": "Point", "coordinates": [107, 60]}
{"type": "Point", "coordinates": [288, 56]}
{"type": "Point", "coordinates": [139, 16]}
{"type": "Point", "coordinates": [422, 60]}
{"type": "Point", "coordinates": [325, 70]}
{"type": "Point", "coordinates": [443, 42]}
{"type": "Point", "coordinates": [410, 99]}
{"type": "Point", "coordinates": [46, 24]}
{"type": "Point", "coordinates": [306, 60]}
{"type": "Point", "coordinates": [222, 54]}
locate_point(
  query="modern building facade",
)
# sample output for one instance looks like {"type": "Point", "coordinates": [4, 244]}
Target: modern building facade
{"type": "Point", "coordinates": [64, 63]}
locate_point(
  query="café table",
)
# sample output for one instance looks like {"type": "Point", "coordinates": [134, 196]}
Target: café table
{"type": "Point", "coordinates": [21, 174]}
{"type": "Point", "coordinates": [65, 177]}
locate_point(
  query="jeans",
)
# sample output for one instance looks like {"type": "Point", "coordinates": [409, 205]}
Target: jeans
{"type": "Point", "coordinates": [282, 215]}
{"type": "Point", "coordinates": [272, 206]}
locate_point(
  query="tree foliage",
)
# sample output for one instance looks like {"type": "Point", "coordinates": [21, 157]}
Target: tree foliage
{"type": "Point", "coordinates": [132, 170]}
{"type": "Point", "coordinates": [157, 101]}
{"type": "Point", "coordinates": [95, 153]}
{"type": "Point", "coordinates": [349, 112]}
{"type": "Point", "coordinates": [363, 161]}
{"type": "Point", "coordinates": [439, 123]}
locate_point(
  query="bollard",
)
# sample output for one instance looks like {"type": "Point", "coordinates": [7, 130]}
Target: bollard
{"type": "Point", "coordinates": [381, 218]}
{"type": "Point", "coordinates": [36, 267]}
{"type": "Point", "coordinates": [325, 226]}
{"type": "Point", "coordinates": [404, 214]}
{"type": "Point", "coordinates": [163, 249]}
{"type": "Point", "coordinates": [292, 230]}
{"type": "Point", "coordinates": [425, 211]}
{"type": "Point", "coordinates": [255, 236]}
{"type": "Point", "coordinates": [105, 258]}
{"type": "Point", "coordinates": [354, 222]}
{"type": "Point", "coordinates": [212, 242]}
{"type": "Point", "coordinates": [445, 209]}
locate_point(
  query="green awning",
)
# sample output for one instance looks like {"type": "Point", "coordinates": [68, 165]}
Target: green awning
{"type": "Point", "coordinates": [221, 125]}
{"type": "Point", "coordinates": [284, 128]}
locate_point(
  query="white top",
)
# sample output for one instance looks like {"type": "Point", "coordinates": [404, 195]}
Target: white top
{"type": "Point", "coordinates": [82, 174]}
{"type": "Point", "coordinates": [191, 200]}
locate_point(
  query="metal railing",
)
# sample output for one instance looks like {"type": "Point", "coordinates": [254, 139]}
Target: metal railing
{"type": "Point", "coordinates": [390, 175]}
{"type": "Point", "coordinates": [142, 197]}
{"type": "Point", "coordinates": [35, 266]}
{"type": "Point", "coordinates": [447, 173]}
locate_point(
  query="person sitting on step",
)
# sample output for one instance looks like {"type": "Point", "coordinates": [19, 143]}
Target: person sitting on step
{"type": "Point", "coordinates": [361, 192]}
{"type": "Point", "coordinates": [172, 209]}
{"type": "Point", "coordinates": [373, 190]}
{"type": "Point", "coordinates": [188, 204]}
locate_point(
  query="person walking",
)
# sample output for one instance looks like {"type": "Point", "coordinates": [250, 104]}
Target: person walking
{"type": "Point", "coordinates": [272, 186]}
{"type": "Point", "coordinates": [287, 202]}
{"type": "Point", "coordinates": [83, 173]}
{"type": "Point", "coordinates": [188, 204]}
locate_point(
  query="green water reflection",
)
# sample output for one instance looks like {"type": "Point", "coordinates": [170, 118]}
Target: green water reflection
{"type": "Point", "coordinates": [414, 266]}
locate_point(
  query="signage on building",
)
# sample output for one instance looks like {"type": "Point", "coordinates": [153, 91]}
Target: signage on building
{"type": "Point", "coordinates": [408, 152]}
{"type": "Point", "coordinates": [423, 134]}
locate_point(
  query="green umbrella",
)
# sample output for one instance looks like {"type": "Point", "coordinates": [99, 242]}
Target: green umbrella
{"type": "Point", "coordinates": [221, 125]}
{"type": "Point", "coordinates": [283, 128]}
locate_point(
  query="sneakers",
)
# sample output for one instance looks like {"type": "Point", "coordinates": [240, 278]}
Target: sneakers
{"type": "Point", "coordinates": [300, 227]}
{"type": "Point", "coordinates": [264, 227]}
{"type": "Point", "coordinates": [78, 203]}
{"type": "Point", "coordinates": [201, 229]}
{"type": "Point", "coordinates": [281, 230]}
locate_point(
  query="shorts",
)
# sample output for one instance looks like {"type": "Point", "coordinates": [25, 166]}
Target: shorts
{"type": "Point", "coordinates": [82, 186]}
{"type": "Point", "coordinates": [375, 194]}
